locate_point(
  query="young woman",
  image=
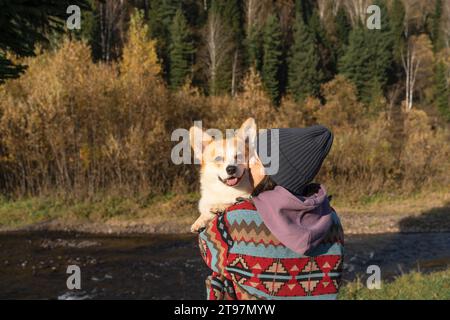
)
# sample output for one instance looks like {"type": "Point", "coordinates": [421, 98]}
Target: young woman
{"type": "Point", "coordinates": [285, 241]}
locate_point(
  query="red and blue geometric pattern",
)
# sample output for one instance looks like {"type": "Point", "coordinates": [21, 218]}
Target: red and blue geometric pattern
{"type": "Point", "coordinates": [248, 262]}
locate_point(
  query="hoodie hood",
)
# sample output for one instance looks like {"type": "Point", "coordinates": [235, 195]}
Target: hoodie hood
{"type": "Point", "coordinates": [300, 223]}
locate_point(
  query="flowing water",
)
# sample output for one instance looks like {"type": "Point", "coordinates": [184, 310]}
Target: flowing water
{"type": "Point", "coordinates": [34, 264]}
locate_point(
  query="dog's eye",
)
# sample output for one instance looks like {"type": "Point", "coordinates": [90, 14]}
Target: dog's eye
{"type": "Point", "coordinates": [218, 159]}
{"type": "Point", "coordinates": [240, 158]}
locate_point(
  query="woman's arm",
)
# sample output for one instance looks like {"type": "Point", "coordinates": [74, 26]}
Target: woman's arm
{"type": "Point", "coordinates": [213, 244]}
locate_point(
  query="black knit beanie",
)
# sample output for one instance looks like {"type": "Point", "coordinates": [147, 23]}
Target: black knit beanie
{"type": "Point", "coordinates": [301, 153]}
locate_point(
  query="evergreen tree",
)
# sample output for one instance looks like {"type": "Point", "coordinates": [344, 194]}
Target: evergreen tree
{"type": "Point", "coordinates": [167, 10]}
{"type": "Point", "coordinates": [217, 53]}
{"type": "Point", "coordinates": [367, 60]}
{"type": "Point", "coordinates": [436, 33]}
{"type": "Point", "coordinates": [25, 23]}
{"type": "Point", "coordinates": [325, 49]}
{"type": "Point", "coordinates": [181, 51]}
{"type": "Point", "coordinates": [304, 9]}
{"type": "Point", "coordinates": [161, 15]}
{"type": "Point", "coordinates": [231, 16]}
{"type": "Point", "coordinates": [271, 58]}
{"type": "Point", "coordinates": [254, 48]}
{"type": "Point", "coordinates": [343, 29]}
{"type": "Point", "coordinates": [397, 18]}
{"type": "Point", "coordinates": [442, 91]}
{"type": "Point", "coordinates": [305, 75]}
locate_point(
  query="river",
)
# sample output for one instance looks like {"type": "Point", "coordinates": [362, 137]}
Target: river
{"type": "Point", "coordinates": [34, 264]}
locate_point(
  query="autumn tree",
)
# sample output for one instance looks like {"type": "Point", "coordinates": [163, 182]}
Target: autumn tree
{"type": "Point", "coordinates": [342, 108]}
{"type": "Point", "coordinates": [139, 53]}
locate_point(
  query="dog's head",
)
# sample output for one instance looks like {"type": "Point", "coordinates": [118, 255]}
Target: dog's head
{"type": "Point", "coordinates": [224, 158]}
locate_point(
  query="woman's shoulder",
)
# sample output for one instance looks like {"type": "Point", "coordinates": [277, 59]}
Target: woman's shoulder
{"type": "Point", "coordinates": [242, 204]}
{"type": "Point", "coordinates": [242, 211]}
{"type": "Point", "coordinates": [244, 224]}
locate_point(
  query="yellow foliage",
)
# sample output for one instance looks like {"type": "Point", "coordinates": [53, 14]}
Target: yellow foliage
{"type": "Point", "coordinates": [342, 108]}
{"type": "Point", "coordinates": [72, 125]}
{"type": "Point", "coordinates": [139, 53]}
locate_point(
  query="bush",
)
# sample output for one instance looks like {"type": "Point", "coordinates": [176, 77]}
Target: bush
{"type": "Point", "coordinates": [79, 128]}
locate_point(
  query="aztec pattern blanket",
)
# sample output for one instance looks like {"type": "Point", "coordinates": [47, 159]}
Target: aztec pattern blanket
{"type": "Point", "coordinates": [248, 262]}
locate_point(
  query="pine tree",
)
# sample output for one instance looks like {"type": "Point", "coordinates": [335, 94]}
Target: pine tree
{"type": "Point", "coordinates": [343, 29]}
{"type": "Point", "coordinates": [230, 13]}
{"type": "Point", "coordinates": [305, 75]}
{"type": "Point", "coordinates": [436, 33]}
{"type": "Point", "coordinates": [442, 91]}
{"type": "Point", "coordinates": [325, 49]}
{"type": "Point", "coordinates": [397, 22]}
{"type": "Point", "coordinates": [367, 60]}
{"type": "Point", "coordinates": [25, 23]}
{"type": "Point", "coordinates": [271, 58]}
{"type": "Point", "coordinates": [181, 51]}
{"type": "Point", "coordinates": [161, 15]}
{"type": "Point", "coordinates": [254, 48]}
{"type": "Point", "coordinates": [304, 9]}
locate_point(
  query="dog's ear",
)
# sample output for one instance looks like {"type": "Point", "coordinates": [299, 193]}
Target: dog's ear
{"type": "Point", "coordinates": [198, 139]}
{"type": "Point", "coordinates": [247, 131]}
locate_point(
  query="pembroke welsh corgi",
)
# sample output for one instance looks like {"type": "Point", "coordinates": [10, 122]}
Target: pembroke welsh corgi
{"type": "Point", "coordinates": [224, 173]}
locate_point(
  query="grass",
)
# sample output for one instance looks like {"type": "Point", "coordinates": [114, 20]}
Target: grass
{"type": "Point", "coordinates": [412, 286]}
{"type": "Point", "coordinates": [181, 209]}
{"type": "Point", "coordinates": [395, 204]}
{"type": "Point", "coordinates": [153, 209]}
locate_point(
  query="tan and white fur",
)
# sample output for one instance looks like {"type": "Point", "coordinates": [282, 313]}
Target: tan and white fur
{"type": "Point", "coordinates": [224, 173]}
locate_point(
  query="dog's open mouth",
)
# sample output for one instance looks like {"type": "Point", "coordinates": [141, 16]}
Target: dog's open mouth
{"type": "Point", "coordinates": [232, 181]}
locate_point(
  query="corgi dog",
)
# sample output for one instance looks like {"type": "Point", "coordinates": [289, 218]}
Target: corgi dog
{"type": "Point", "coordinates": [224, 173]}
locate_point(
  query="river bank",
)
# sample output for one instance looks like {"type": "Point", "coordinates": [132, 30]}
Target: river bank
{"type": "Point", "coordinates": [424, 212]}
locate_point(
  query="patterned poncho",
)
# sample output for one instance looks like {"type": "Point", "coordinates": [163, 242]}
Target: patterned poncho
{"type": "Point", "coordinates": [248, 262]}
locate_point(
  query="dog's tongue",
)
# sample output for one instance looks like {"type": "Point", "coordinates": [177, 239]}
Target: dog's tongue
{"type": "Point", "coordinates": [232, 181]}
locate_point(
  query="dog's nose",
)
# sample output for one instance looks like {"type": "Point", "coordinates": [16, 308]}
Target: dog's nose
{"type": "Point", "coordinates": [231, 169]}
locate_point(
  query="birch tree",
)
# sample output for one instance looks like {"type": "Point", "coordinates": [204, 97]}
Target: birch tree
{"type": "Point", "coordinates": [218, 45]}
{"type": "Point", "coordinates": [417, 60]}
{"type": "Point", "coordinates": [357, 10]}
{"type": "Point", "coordinates": [327, 8]}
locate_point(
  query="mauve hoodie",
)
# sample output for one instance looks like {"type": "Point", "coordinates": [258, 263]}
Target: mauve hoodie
{"type": "Point", "coordinates": [300, 223]}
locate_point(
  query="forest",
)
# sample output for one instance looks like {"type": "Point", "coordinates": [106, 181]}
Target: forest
{"type": "Point", "coordinates": [90, 111]}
